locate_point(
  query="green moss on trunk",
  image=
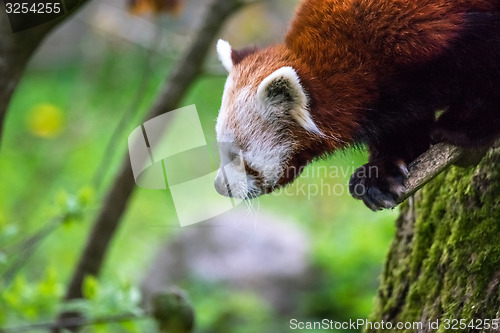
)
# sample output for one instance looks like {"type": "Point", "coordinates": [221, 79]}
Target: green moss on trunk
{"type": "Point", "coordinates": [445, 260]}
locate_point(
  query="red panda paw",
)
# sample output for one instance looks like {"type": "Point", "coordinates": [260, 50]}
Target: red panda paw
{"type": "Point", "coordinates": [379, 184]}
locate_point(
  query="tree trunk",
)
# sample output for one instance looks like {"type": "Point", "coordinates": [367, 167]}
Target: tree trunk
{"type": "Point", "coordinates": [444, 263]}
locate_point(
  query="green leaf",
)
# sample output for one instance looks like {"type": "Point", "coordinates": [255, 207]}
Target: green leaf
{"type": "Point", "coordinates": [86, 195]}
{"type": "Point", "coordinates": [90, 287]}
{"type": "Point", "coordinates": [129, 326]}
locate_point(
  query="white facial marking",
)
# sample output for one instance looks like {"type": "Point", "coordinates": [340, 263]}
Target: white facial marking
{"type": "Point", "coordinates": [259, 118]}
{"type": "Point", "coordinates": [224, 52]}
{"type": "Point", "coordinates": [223, 114]}
{"type": "Point", "coordinates": [233, 170]}
{"type": "Point", "coordinates": [265, 151]}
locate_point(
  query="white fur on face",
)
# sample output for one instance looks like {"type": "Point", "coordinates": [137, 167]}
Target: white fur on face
{"type": "Point", "coordinates": [259, 119]}
{"type": "Point", "coordinates": [265, 151]}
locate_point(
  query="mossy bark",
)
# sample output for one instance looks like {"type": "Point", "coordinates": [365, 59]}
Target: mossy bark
{"type": "Point", "coordinates": [445, 260]}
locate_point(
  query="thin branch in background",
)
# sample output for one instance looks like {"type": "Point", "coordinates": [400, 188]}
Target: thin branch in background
{"type": "Point", "coordinates": [176, 86]}
{"type": "Point", "coordinates": [75, 322]}
{"type": "Point", "coordinates": [171, 310]}
{"type": "Point", "coordinates": [123, 124]}
{"type": "Point", "coordinates": [26, 248]}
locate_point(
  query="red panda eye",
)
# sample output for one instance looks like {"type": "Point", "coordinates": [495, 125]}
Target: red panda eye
{"type": "Point", "coordinates": [235, 159]}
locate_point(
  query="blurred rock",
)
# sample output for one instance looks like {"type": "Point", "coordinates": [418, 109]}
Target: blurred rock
{"type": "Point", "coordinates": [264, 255]}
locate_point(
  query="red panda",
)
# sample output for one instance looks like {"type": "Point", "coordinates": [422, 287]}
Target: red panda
{"type": "Point", "coordinates": [354, 72]}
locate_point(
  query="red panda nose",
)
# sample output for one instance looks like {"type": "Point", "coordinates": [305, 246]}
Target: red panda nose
{"type": "Point", "coordinates": [221, 187]}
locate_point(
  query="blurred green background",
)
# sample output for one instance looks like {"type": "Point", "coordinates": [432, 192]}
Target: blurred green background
{"type": "Point", "coordinates": [91, 74]}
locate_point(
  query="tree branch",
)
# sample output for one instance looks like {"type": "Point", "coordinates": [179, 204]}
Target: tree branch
{"type": "Point", "coordinates": [434, 161]}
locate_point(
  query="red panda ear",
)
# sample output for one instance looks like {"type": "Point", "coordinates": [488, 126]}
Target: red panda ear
{"type": "Point", "coordinates": [224, 51]}
{"type": "Point", "coordinates": [282, 89]}
{"type": "Point", "coordinates": [230, 57]}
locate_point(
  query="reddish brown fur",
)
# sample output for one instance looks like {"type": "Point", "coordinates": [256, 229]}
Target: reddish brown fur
{"type": "Point", "coordinates": [373, 73]}
{"type": "Point", "coordinates": [345, 42]}
{"type": "Point", "coordinates": [339, 47]}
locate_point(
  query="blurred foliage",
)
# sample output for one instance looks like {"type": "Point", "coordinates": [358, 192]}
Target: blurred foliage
{"type": "Point", "coordinates": [108, 299]}
{"type": "Point", "coordinates": [219, 310]}
{"type": "Point", "coordinates": [27, 300]}
{"type": "Point", "coordinates": [57, 129]}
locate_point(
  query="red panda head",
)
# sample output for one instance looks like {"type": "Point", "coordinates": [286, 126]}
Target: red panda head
{"type": "Point", "coordinates": [264, 125]}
